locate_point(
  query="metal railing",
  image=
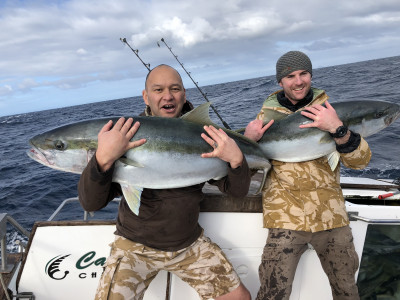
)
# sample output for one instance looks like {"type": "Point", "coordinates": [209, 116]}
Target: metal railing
{"type": "Point", "coordinates": [74, 199]}
{"type": "Point", "coordinates": [4, 220]}
{"type": "Point", "coordinates": [353, 216]}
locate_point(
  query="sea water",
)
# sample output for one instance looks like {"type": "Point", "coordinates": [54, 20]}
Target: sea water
{"type": "Point", "coordinates": [30, 192]}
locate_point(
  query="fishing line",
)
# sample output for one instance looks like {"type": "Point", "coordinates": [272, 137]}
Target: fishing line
{"type": "Point", "coordinates": [195, 83]}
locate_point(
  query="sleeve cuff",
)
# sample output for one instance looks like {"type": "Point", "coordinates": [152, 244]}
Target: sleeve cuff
{"type": "Point", "coordinates": [96, 174]}
{"type": "Point", "coordinates": [239, 170]}
{"type": "Point", "coordinates": [351, 145]}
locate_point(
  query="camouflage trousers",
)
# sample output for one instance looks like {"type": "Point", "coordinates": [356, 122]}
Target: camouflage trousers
{"type": "Point", "coordinates": [132, 266]}
{"type": "Point", "coordinates": [282, 253]}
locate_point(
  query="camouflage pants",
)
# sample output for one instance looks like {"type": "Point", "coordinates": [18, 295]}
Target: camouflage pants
{"type": "Point", "coordinates": [132, 266]}
{"type": "Point", "coordinates": [282, 253]}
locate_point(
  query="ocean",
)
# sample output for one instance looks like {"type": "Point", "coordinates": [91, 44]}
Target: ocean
{"type": "Point", "coordinates": [30, 192]}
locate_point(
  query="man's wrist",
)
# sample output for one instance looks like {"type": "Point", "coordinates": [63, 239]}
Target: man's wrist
{"type": "Point", "coordinates": [103, 165]}
{"type": "Point", "coordinates": [340, 132]}
{"type": "Point", "coordinates": [236, 164]}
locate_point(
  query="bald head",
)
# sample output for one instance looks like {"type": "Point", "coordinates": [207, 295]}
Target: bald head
{"type": "Point", "coordinates": [162, 66]}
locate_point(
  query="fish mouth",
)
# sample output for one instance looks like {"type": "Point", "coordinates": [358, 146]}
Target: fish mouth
{"type": "Point", "coordinates": [391, 118]}
{"type": "Point", "coordinates": [38, 156]}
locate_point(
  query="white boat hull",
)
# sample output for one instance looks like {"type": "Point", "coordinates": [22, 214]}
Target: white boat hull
{"type": "Point", "coordinates": [65, 258]}
{"type": "Point", "coordinates": [87, 247]}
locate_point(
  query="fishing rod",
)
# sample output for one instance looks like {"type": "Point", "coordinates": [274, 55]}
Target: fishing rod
{"type": "Point", "coordinates": [136, 53]}
{"type": "Point", "coordinates": [195, 83]}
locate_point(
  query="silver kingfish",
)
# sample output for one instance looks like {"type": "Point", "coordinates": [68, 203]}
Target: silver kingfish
{"type": "Point", "coordinates": [285, 141]}
{"type": "Point", "coordinates": [171, 157]}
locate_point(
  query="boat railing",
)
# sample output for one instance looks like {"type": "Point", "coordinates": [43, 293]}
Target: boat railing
{"type": "Point", "coordinates": [4, 220]}
{"type": "Point", "coordinates": [74, 199]}
{"type": "Point", "coordinates": [353, 216]}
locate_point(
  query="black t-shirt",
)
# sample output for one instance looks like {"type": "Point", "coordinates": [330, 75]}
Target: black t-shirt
{"type": "Point", "coordinates": [168, 218]}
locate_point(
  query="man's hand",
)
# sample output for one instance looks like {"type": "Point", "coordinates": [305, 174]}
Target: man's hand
{"type": "Point", "coordinates": [114, 142]}
{"type": "Point", "coordinates": [225, 147]}
{"type": "Point", "coordinates": [325, 118]}
{"type": "Point", "coordinates": [255, 129]}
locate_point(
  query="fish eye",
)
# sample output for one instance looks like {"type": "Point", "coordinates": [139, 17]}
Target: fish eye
{"type": "Point", "coordinates": [59, 145]}
{"type": "Point", "coordinates": [379, 114]}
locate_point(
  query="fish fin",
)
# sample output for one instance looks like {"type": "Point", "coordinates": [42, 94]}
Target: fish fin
{"type": "Point", "coordinates": [333, 159]}
{"type": "Point", "coordinates": [90, 154]}
{"type": "Point", "coordinates": [132, 196]}
{"type": "Point", "coordinates": [200, 115]}
{"type": "Point", "coordinates": [270, 114]}
{"type": "Point", "coordinates": [265, 172]}
{"type": "Point", "coordinates": [130, 162]}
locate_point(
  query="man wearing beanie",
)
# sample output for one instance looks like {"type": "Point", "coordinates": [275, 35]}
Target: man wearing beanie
{"type": "Point", "coordinates": [303, 202]}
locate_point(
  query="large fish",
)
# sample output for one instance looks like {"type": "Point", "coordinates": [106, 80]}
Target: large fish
{"type": "Point", "coordinates": [285, 141]}
{"type": "Point", "coordinates": [170, 158]}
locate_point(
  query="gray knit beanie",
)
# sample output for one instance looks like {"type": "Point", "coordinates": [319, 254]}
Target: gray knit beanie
{"type": "Point", "coordinates": [290, 62]}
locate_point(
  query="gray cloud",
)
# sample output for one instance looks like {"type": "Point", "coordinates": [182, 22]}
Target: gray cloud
{"type": "Point", "coordinates": [74, 44]}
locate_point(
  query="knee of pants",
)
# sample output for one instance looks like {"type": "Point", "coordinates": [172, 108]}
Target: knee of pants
{"type": "Point", "coordinates": [278, 266]}
{"type": "Point", "coordinates": [340, 260]}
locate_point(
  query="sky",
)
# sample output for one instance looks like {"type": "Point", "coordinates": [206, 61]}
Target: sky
{"type": "Point", "coordinates": [62, 53]}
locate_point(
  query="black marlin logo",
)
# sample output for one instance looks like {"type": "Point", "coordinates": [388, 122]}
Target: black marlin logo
{"type": "Point", "coordinates": [53, 265]}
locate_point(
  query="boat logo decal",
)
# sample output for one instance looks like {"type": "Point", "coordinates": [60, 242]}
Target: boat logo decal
{"type": "Point", "coordinates": [58, 267]}
{"type": "Point", "coordinates": [53, 267]}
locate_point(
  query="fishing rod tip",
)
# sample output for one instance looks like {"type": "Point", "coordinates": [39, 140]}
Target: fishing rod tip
{"type": "Point", "coordinates": [162, 39]}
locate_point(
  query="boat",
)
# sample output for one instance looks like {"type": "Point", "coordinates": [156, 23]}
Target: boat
{"type": "Point", "coordinates": [63, 259]}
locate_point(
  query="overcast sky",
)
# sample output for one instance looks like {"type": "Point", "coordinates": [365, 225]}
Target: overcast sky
{"type": "Point", "coordinates": [63, 53]}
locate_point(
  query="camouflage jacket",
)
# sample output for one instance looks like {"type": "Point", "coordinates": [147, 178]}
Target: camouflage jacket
{"type": "Point", "coordinates": [306, 196]}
